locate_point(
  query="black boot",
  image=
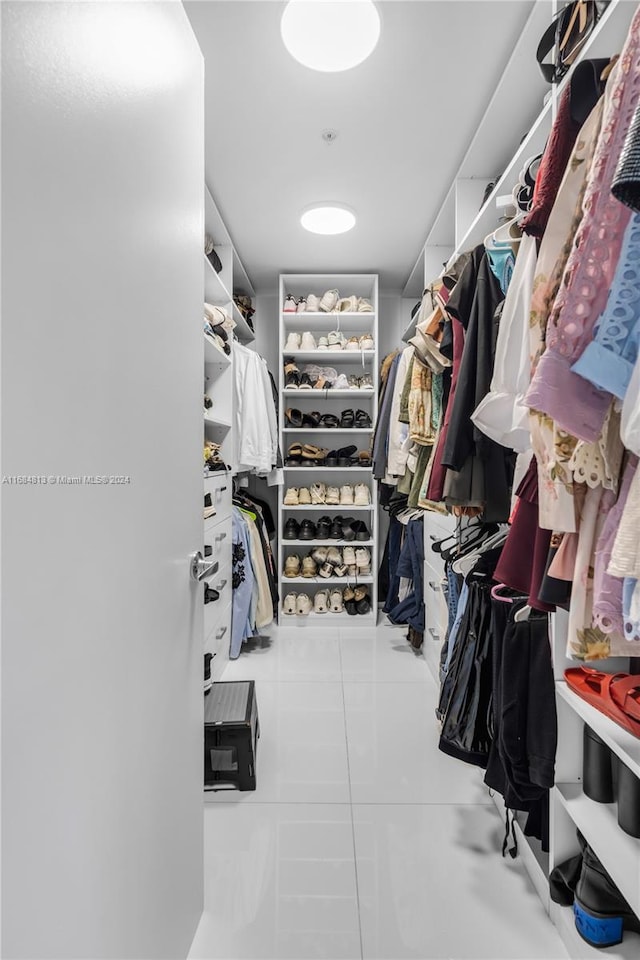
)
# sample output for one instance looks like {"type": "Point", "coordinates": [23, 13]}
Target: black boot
{"type": "Point", "coordinates": [597, 769]}
{"type": "Point", "coordinates": [601, 912]}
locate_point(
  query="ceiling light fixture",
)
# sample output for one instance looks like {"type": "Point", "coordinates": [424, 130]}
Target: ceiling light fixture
{"type": "Point", "coordinates": [328, 218]}
{"type": "Point", "coordinates": [330, 35]}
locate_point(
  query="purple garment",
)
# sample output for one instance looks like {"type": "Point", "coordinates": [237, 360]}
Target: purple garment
{"type": "Point", "coordinates": [607, 590]}
{"type": "Point", "coordinates": [575, 404]}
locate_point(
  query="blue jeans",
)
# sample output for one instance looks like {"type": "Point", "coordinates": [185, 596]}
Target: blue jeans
{"type": "Point", "coordinates": [411, 566]}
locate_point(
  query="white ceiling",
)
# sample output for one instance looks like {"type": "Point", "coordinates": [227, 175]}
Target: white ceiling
{"type": "Point", "coordinates": [404, 119]}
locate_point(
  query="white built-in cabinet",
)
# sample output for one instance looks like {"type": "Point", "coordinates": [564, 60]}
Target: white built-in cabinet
{"type": "Point", "coordinates": [219, 289]}
{"type": "Point", "coordinates": [519, 118]}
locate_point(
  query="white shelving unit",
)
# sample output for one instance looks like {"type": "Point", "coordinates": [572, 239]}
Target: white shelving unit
{"type": "Point", "coordinates": [525, 106]}
{"type": "Point", "coordinates": [329, 401]}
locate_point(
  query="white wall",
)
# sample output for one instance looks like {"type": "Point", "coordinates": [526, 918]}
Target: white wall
{"type": "Point", "coordinates": [102, 177]}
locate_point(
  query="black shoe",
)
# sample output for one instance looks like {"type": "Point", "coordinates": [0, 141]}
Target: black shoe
{"type": "Point", "coordinates": [291, 530]}
{"type": "Point", "coordinates": [345, 454]}
{"type": "Point", "coordinates": [361, 530]}
{"type": "Point", "coordinates": [601, 913]}
{"type": "Point", "coordinates": [597, 766]}
{"type": "Point", "coordinates": [329, 421]}
{"type": "Point", "coordinates": [324, 528]}
{"type": "Point", "coordinates": [307, 530]}
{"type": "Point", "coordinates": [306, 383]}
{"type": "Point", "coordinates": [311, 419]}
{"type": "Point", "coordinates": [363, 420]}
{"type": "Point", "coordinates": [347, 419]}
{"type": "Point", "coordinates": [348, 528]}
{"type": "Point", "coordinates": [331, 459]}
{"type": "Point", "coordinates": [336, 528]}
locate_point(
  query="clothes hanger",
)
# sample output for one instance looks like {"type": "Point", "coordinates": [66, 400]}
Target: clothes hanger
{"type": "Point", "coordinates": [523, 614]}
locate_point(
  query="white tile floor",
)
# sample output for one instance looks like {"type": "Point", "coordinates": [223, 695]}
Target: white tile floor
{"type": "Point", "coordinates": [362, 839]}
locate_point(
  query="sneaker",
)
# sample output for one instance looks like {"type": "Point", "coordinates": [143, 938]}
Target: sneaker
{"type": "Point", "coordinates": [323, 343]}
{"type": "Point", "coordinates": [293, 342]}
{"type": "Point", "coordinates": [337, 340]}
{"type": "Point", "coordinates": [304, 496]}
{"type": "Point", "coordinates": [291, 530]}
{"type": "Point", "coordinates": [291, 376]}
{"type": "Point", "coordinates": [328, 301]}
{"type": "Point", "coordinates": [292, 566]}
{"type": "Point", "coordinates": [362, 599]}
{"type": "Point", "coordinates": [366, 382]}
{"type": "Point", "coordinates": [319, 555]}
{"type": "Point", "coordinates": [362, 495]}
{"type": "Point", "coordinates": [309, 567]}
{"type": "Point", "coordinates": [341, 383]}
{"type": "Point", "coordinates": [341, 570]}
{"type": "Point", "coordinates": [366, 342]}
{"type": "Point", "coordinates": [313, 303]}
{"type": "Point", "coordinates": [318, 492]}
{"type": "Point", "coordinates": [321, 601]}
{"type": "Point", "coordinates": [308, 342]}
{"type": "Point", "coordinates": [326, 571]}
{"type": "Point", "coordinates": [352, 344]}
{"type": "Point", "coordinates": [364, 305]}
{"type": "Point", "coordinates": [303, 605]}
{"type": "Point", "coordinates": [209, 509]}
{"type": "Point", "coordinates": [291, 497]}
{"type": "Point", "coordinates": [349, 598]}
{"type": "Point", "coordinates": [289, 604]}
{"type": "Point", "coordinates": [289, 305]}
{"type": "Point", "coordinates": [347, 305]}
{"type": "Point", "coordinates": [353, 382]}
{"type": "Point", "coordinates": [349, 556]}
{"type": "Point", "coordinates": [334, 557]}
{"type": "Point", "coordinates": [333, 496]}
{"type": "Point", "coordinates": [335, 601]}
{"type": "Point", "coordinates": [301, 305]}
{"type": "Point", "coordinates": [346, 494]}
{"type": "Point", "coordinates": [363, 559]}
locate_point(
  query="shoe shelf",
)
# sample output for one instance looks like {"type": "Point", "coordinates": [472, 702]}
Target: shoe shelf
{"type": "Point", "coordinates": [577, 948]}
{"type": "Point", "coordinates": [221, 422]}
{"type": "Point", "coordinates": [214, 357]}
{"type": "Point", "coordinates": [624, 744]}
{"type": "Point", "coordinates": [598, 822]}
{"type": "Point", "coordinates": [356, 362]}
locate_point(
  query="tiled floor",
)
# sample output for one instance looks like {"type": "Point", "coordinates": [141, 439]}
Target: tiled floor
{"type": "Point", "coordinates": [362, 840]}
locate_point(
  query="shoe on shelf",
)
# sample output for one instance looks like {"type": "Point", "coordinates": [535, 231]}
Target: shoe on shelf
{"type": "Point", "coordinates": [291, 498]}
{"type": "Point", "coordinates": [361, 530]}
{"type": "Point", "coordinates": [341, 570]}
{"type": "Point", "coordinates": [321, 601]}
{"type": "Point", "coordinates": [318, 492]}
{"type": "Point", "coordinates": [366, 342]}
{"type": "Point", "coordinates": [319, 554]}
{"type": "Point", "coordinates": [364, 458]}
{"type": "Point", "coordinates": [293, 342]}
{"type": "Point", "coordinates": [352, 344]}
{"type": "Point", "coordinates": [364, 305]}
{"type": "Point", "coordinates": [336, 528]}
{"type": "Point", "coordinates": [289, 305]}
{"type": "Point", "coordinates": [307, 530]}
{"type": "Point", "coordinates": [347, 419]}
{"type": "Point", "coordinates": [308, 341]}
{"type": "Point", "coordinates": [347, 495]}
{"type": "Point", "coordinates": [326, 571]}
{"type": "Point", "coordinates": [209, 509]}
{"type": "Point", "coordinates": [303, 605]}
{"type": "Point", "coordinates": [291, 530]}
{"type": "Point", "coordinates": [362, 600]}
{"type": "Point", "coordinates": [347, 305]}
{"type": "Point", "coordinates": [293, 417]}
{"type": "Point", "coordinates": [349, 556]}
{"type": "Point", "coordinates": [291, 376]}
{"type": "Point", "coordinates": [304, 496]}
{"type": "Point", "coordinates": [334, 557]}
{"type": "Point", "coordinates": [331, 459]}
{"type": "Point", "coordinates": [333, 496]}
{"type": "Point", "coordinates": [353, 381]}
{"type": "Point", "coordinates": [311, 419]}
{"type": "Point", "coordinates": [362, 495]}
{"type": "Point", "coordinates": [345, 454]}
{"type": "Point", "coordinates": [306, 383]}
{"type": "Point", "coordinates": [289, 604]}
{"type": "Point", "coordinates": [323, 343]}
{"type": "Point", "coordinates": [301, 305]}
{"type": "Point", "coordinates": [341, 383]}
{"type": "Point", "coordinates": [323, 528]}
{"type": "Point", "coordinates": [363, 560]}
{"type": "Point", "coordinates": [366, 382]}
{"type": "Point", "coordinates": [313, 303]}
{"type": "Point", "coordinates": [335, 601]}
{"type": "Point", "coordinates": [349, 598]}
{"type": "Point", "coordinates": [363, 420]}
{"type": "Point", "coordinates": [292, 566]}
{"type": "Point", "coordinates": [328, 301]}
{"type": "Point", "coordinates": [309, 567]}
{"type": "Point", "coordinates": [329, 421]}
{"type": "Point", "coordinates": [313, 454]}
{"type": "Point", "coordinates": [336, 340]}
{"type": "Point", "coordinates": [329, 373]}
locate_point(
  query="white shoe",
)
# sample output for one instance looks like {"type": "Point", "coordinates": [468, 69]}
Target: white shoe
{"type": "Point", "coordinates": [337, 340]}
{"type": "Point", "coordinates": [346, 495]}
{"type": "Point", "coordinates": [289, 604]}
{"type": "Point", "coordinates": [289, 305]}
{"type": "Point", "coordinates": [366, 342]}
{"type": "Point", "coordinates": [364, 306]}
{"type": "Point", "coordinates": [291, 497]}
{"type": "Point", "coordinates": [341, 383]}
{"type": "Point", "coordinates": [318, 492]}
{"type": "Point", "coordinates": [304, 495]}
{"type": "Point", "coordinates": [313, 303]}
{"type": "Point", "coordinates": [335, 601]}
{"type": "Point", "coordinates": [308, 342]}
{"type": "Point", "coordinates": [363, 558]}
{"type": "Point", "coordinates": [347, 305]}
{"type": "Point", "coordinates": [323, 343]}
{"type": "Point", "coordinates": [293, 342]}
{"type": "Point", "coordinates": [333, 496]}
{"type": "Point", "coordinates": [303, 605]}
{"type": "Point", "coordinates": [352, 344]}
{"type": "Point", "coordinates": [349, 556]}
{"type": "Point", "coordinates": [321, 601]}
{"type": "Point", "coordinates": [301, 305]}
{"type": "Point", "coordinates": [362, 495]}
{"type": "Point", "coordinates": [328, 301]}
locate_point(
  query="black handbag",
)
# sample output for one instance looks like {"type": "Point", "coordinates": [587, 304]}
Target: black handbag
{"type": "Point", "coordinates": [565, 37]}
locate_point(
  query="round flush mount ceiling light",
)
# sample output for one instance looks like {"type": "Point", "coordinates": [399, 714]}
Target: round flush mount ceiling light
{"type": "Point", "coordinates": [330, 35]}
{"type": "Point", "coordinates": [328, 218]}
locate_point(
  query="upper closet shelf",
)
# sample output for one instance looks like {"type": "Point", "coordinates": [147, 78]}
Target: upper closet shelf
{"type": "Point", "coordinates": [233, 279]}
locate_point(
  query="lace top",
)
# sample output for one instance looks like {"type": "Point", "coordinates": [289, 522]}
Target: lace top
{"type": "Point", "coordinates": [575, 403]}
{"type": "Point", "coordinates": [608, 360]}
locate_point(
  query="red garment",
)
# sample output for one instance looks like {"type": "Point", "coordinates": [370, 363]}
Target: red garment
{"type": "Point", "coordinates": [552, 167]}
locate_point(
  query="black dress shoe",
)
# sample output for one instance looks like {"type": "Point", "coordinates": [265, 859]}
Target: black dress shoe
{"type": "Point", "coordinates": [307, 530]}
{"type": "Point", "coordinates": [291, 530]}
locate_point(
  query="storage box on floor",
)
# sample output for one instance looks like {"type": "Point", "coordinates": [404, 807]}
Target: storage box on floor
{"type": "Point", "coordinates": [231, 731]}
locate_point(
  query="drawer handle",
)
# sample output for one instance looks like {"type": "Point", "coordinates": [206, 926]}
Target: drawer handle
{"type": "Point", "coordinates": [222, 489]}
{"type": "Point", "coordinates": [435, 636]}
{"type": "Point", "coordinates": [433, 585]}
{"type": "Point", "coordinates": [221, 586]}
{"type": "Point", "coordinates": [221, 537]}
{"type": "Point", "coordinates": [221, 632]}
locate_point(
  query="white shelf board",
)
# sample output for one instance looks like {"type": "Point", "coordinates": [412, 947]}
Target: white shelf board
{"type": "Point", "coordinates": [242, 330]}
{"type": "Point", "coordinates": [322, 582]}
{"type": "Point", "coordinates": [215, 291]}
{"type": "Point", "coordinates": [310, 320]}
{"type": "Point", "coordinates": [213, 356]}
{"type": "Point", "coordinates": [241, 282]}
{"type": "Point", "coordinates": [578, 949]}
{"type": "Point", "coordinates": [329, 542]}
{"type": "Point", "coordinates": [344, 507]}
{"type": "Point", "coordinates": [219, 422]}
{"type": "Point", "coordinates": [624, 744]}
{"type": "Point", "coordinates": [343, 356]}
{"type": "Point", "coordinates": [598, 822]}
{"type": "Point", "coordinates": [328, 394]}
{"type": "Point", "coordinates": [214, 224]}
{"type": "Point", "coordinates": [315, 430]}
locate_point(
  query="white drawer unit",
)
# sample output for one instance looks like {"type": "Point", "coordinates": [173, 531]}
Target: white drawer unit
{"type": "Point", "coordinates": [219, 485]}
{"type": "Point", "coordinates": [218, 639]}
